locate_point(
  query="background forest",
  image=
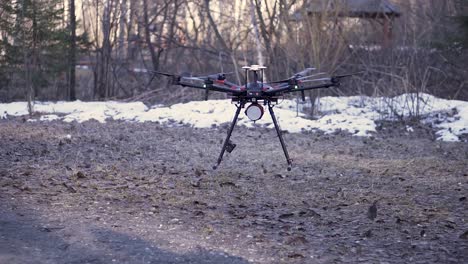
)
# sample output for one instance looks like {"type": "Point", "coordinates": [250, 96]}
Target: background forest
{"type": "Point", "coordinates": [106, 49]}
{"type": "Point", "coordinates": [102, 161]}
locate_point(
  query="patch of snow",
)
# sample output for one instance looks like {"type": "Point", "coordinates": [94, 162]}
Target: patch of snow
{"type": "Point", "coordinates": [84, 111]}
{"type": "Point", "coordinates": [446, 135]}
{"type": "Point", "coordinates": [450, 116]}
{"type": "Point", "coordinates": [454, 127]}
{"type": "Point", "coordinates": [204, 114]}
{"type": "Point", "coordinates": [83, 67]}
{"type": "Point", "coordinates": [354, 114]}
{"type": "Point", "coordinates": [49, 117]}
{"type": "Point", "coordinates": [140, 70]}
{"type": "Point", "coordinates": [14, 109]}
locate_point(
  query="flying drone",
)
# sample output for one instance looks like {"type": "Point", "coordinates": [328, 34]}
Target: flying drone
{"type": "Point", "coordinates": [257, 94]}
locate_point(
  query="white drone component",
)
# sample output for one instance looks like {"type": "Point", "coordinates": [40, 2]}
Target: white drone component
{"type": "Point", "coordinates": [254, 67]}
{"type": "Point", "coordinates": [254, 112]}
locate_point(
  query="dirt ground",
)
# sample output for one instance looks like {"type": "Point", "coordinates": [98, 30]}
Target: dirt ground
{"type": "Point", "coordinates": [145, 193]}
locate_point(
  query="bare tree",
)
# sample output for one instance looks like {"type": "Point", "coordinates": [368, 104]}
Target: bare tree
{"type": "Point", "coordinates": [155, 55]}
{"type": "Point", "coordinates": [72, 51]}
{"type": "Point", "coordinates": [122, 27]}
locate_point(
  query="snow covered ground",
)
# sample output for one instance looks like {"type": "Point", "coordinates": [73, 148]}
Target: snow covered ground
{"type": "Point", "coordinates": [355, 114]}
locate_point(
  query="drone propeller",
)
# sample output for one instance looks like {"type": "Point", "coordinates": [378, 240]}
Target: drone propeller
{"type": "Point", "coordinates": [336, 78]}
{"type": "Point", "coordinates": [215, 76]}
{"type": "Point", "coordinates": [280, 81]}
{"type": "Point", "coordinates": [333, 79]}
{"type": "Point", "coordinates": [172, 75]}
{"type": "Point", "coordinates": [302, 73]}
{"type": "Point", "coordinates": [194, 78]}
{"type": "Point", "coordinates": [175, 78]}
{"type": "Point", "coordinates": [347, 75]}
{"type": "Point", "coordinates": [317, 80]}
{"type": "Point", "coordinates": [165, 73]}
{"type": "Point", "coordinates": [310, 76]}
{"type": "Point", "coordinates": [221, 76]}
{"type": "Point", "coordinates": [296, 76]}
{"type": "Point", "coordinates": [208, 80]}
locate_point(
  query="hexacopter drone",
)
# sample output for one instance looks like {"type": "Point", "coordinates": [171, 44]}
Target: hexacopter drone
{"type": "Point", "coordinates": [257, 93]}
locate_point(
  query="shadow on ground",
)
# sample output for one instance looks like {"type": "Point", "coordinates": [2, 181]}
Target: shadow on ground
{"type": "Point", "coordinates": [26, 239]}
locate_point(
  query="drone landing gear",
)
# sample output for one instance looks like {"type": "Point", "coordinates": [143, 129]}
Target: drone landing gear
{"type": "Point", "coordinates": [280, 136]}
{"type": "Point", "coordinates": [229, 146]}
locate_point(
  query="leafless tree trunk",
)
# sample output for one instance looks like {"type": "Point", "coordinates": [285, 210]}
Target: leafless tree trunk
{"type": "Point", "coordinates": [146, 24]}
{"type": "Point", "coordinates": [72, 52]}
{"type": "Point", "coordinates": [106, 51]}
{"type": "Point", "coordinates": [122, 21]}
{"type": "Point", "coordinates": [257, 34]}
{"type": "Point", "coordinates": [26, 64]}
{"type": "Point", "coordinates": [224, 46]}
{"type": "Point", "coordinates": [97, 51]}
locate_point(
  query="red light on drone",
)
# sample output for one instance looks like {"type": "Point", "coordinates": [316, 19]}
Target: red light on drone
{"type": "Point", "coordinates": [254, 112]}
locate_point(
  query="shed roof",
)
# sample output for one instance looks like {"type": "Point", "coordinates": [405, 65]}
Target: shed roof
{"type": "Point", "coordinates": [354, 8]}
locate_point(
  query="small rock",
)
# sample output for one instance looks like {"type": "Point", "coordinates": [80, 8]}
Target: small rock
{"type": "Point", "coordinates": [297, 240]}
{"type": "Point", "coordinates": [372, 212]}
{"type": "Point", "coordinates": [195, 183]}
{"type": "Point", "coordinates": [295, 255]}
{"type": "Point", "coordinates": [464, 235]}
{"type": "Point", "coordinates": [174, 221]}
{"type": "Point", "coordinates": [368, 233]}
{"type": "Point", "coordinates": [423, 233]}
{"type": "Point", "coordinates": [286, 215]}
{"type": "Point", "coordinates": [80, 175]}
{"type": "Point", "coordinates": [198, 172]}
{"type": "Point", "coordinates": [64, 246]}
{"type": "Point", "coordinates": [199, 213]}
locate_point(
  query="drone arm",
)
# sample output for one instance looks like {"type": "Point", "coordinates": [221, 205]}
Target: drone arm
{"type": "Point", "coordinates": [210, 87]}
{"type": "Point", "coordinates": [300, 88]}
{"type": "Point", "coordinates": [230, 84]}
{"type": "Point", "coordinates": [306, 88]}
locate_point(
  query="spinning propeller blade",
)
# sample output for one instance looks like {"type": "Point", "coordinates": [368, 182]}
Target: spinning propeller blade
{"type": "Point", "coordinates": [310, 76]}
{"type": "Point", "coordinates": [333, 79]}
{"type": "Point", "coordinates": [317, 80]}
{"type": "Point", "coordinates": [208, 80]}
{"type": "Point", "coordinates": [296, 76]}
{"type": "Point", "coordinates": [214, 76]}
{"type": "Point", "coordinates": [280, 81]}
{"type": "Point", "coordinates": [302, 73]}
{"type": "Point", "coordinates": [347, 75]}
{"type": "Point", "coordinates": [336, 78]}
{"type": "Point", "coordinates": [194, 79]}
{"type": "Point", "coordinates": [164, 73]}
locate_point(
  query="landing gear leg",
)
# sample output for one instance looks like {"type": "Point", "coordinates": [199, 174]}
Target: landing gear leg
{"type": "Point", "coordinates": [227, 143]}
{"type": "Point", "coordinates": [278, 131]}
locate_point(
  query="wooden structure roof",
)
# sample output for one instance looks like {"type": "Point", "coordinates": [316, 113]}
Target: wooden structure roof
{"type": "Point", "coordinates": [354, 8]}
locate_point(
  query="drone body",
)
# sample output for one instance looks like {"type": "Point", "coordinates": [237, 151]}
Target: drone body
{"type": "Point", "coordinates": [256, 93]}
